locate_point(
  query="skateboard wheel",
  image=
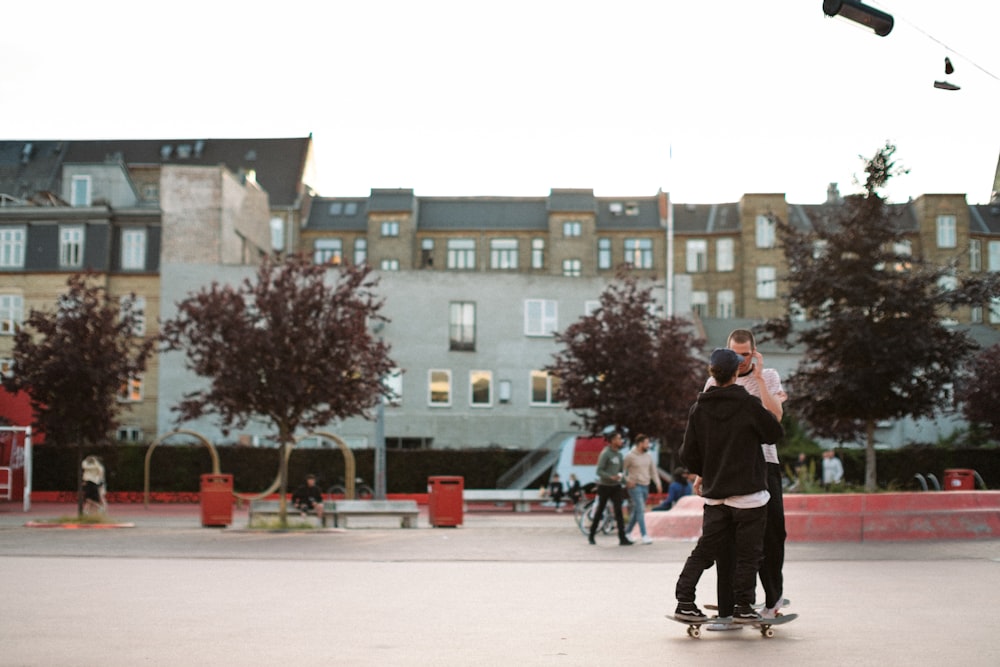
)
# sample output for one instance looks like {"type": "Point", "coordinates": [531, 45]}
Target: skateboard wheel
{"type": "Point", "coordinates": [767, 632]}
{"type": "Point", "coordinates": [694, 631]}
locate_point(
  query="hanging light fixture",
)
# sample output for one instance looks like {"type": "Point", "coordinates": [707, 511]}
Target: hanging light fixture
{"type": "Point", "coordinates": [858, 12]}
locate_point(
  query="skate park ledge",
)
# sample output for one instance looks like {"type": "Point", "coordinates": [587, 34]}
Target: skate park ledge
{"type": "Point", "coordinates": [859, 517]}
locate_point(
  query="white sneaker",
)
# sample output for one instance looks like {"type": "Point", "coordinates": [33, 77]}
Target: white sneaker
{"type": "Point", "coordinates": [646, 539]}
{"type": "Point", "coordinates": [774, 611]}
{"type": "Point", "coordinates": [723, 624]}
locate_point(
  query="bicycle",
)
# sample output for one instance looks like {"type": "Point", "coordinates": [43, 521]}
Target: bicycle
{"type": "Point", "coordinates": [583, 513]}
{"type": "Point", "coordinates": [361, 490]}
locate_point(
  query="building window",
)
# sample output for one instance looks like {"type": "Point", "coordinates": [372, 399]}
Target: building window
{"type": "Point", "coordinates": [426, 253]}
{"type": "Point", "coordinates": [993, 255]}
{"type": "Point", "coordinates": [12, 247]}
{"type": "Point", "coordinates": [725, 305]}
{"type": "Point", "coordinates": [389, 265]}
{"type": "Point", "coordinates": [390, 228]}
{"type": "Point", "coordinates": [603, 253]}
{"type": "Point", "coordinates": [572, 228]}
{"type": "Point", "coordinates": [462, 326]}
{"type": "Point", "coordinates": [360, 251]}
{"type": "Point", "coordinates": [543, 388]}
{"type": "Point", "coordinates": [129, 434]}
{"type": "Point", "coordinates": [767, 282]}
{"type": "Point", "coordinates": [11, 313]}
{"type": "Point", "coordinates": [503, 254]}
{"type": "Point", "coordinates": [461, 254]}
{"type": "Point", "coordinates": [975, 255]}
{"type": "Point", "coordinates": [538, 253]}
{"type": "Point", "coordinates": [71, 246]}
{"type": "Point", "coordinates": [439, 388]}
{"type": "Point", "coordinates": [765, 231]}
{"type": "Point", "coordinates": [277, 233]}
{"type": "Point", "coordinates": [976, 314]}
{"type": "Point", "coordinates": [995, 310]}
{"type": "Point", "coordinates": [697, 256]}
{"type": "Point", "coordinates": [590, 307]}
{"type": "Point", "coordinates": [134, 249]}
{"type": "Point", "coordinates": [946, 235]}
{"type": "Point", "coordinates": [138, 313]}
{"type": "Point", "coordinates": [7, 368]}
{"type": "Point", "coordinates": [699, 303]}
{"type": "Point", "coordinates": [540, 317]}
{"type": "Point", "coordinates": [79, 194]}
{"type": "Point", "coordinates": [328, 251]}
{"type": "Point", "coordinates": [724, 256]}
{"type": "Point", "coordinates": [480, 388]}
{"type": "Point", "coordinates": [639, 253]}
{"type": "Point", "coordinates": [351, 208]}
{"type": "Point", "coordinates": [504, 391]}
{"type": "Point", "coordinates": [571, 268]}
{"type": "Point", "coordinates": [131, 391]}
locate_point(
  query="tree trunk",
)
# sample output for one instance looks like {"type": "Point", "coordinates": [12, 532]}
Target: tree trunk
{"type": "Point", "coordinates": [283, 478]}
{"type": "Point", "coordinates": [871, 484]}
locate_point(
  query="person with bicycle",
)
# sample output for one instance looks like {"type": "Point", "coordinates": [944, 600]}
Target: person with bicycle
{"type": "Point", "coordinates": [308, 498]}
{"type": "Point", "coordinates": [609, 486]}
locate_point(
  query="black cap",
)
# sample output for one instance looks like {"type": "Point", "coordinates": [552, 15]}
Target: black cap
{"type": "Point", "coordinates": [724, 362]}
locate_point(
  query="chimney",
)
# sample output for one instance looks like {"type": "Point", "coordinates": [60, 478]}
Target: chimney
{"type": "Point", "coordinates": [832, 194]}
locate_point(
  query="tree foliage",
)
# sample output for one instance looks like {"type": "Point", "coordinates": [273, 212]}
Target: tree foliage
{"type": "Point", "coordinates": [875, 344]}
{"type": "Point", "coordinates": [74, 361]}
{"type": "Point", "coordinates": [286, 346]}
{"type": "Point", "coordinates": [625, 366]}
{"type": "Point", "coordinates": [979, 390]}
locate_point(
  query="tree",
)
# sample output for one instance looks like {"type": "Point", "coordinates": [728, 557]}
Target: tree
{"type": "Point", "coordinates": [75, 361]}
{"type": "Point", "coordinates": [979, 390]}
{"type": "Point", "coordinates": [286, 346]}
{"type": "Point", "coordinates": [625, 366]}
{"type": "Point", "coordinates": [876, 347]}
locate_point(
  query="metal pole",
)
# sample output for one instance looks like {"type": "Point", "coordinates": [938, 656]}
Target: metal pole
{"type": "Point", "coordinates": [380, 449]}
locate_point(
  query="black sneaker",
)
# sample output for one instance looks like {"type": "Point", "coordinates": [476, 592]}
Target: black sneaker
{"type": "Point", "coordinates": [625, 543]}
{"type": "Point", "coordinates": [688, 611]}
{"type": "Point", "coordinates": [744, 613]}
{"type": "Point", "coordinates": [590, 540]}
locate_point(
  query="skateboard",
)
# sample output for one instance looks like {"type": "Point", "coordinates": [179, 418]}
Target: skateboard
{"type": "Point", "coordinates": [765, 627]}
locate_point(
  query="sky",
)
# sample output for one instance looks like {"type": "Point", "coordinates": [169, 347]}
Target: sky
{"type": "Point", "coordinates": [707, 100]}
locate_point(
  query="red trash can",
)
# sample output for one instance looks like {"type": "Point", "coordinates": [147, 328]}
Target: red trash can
{"type": "Point", "coordinates": [959, 479]}
{"type": "Point", "coordinates": [444, 501]}
{"type": "Point", "coordinates": [216, 500]}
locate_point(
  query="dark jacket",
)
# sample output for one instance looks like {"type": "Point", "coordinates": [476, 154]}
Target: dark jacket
{"type": "Point", "coordinates": [726, 427]}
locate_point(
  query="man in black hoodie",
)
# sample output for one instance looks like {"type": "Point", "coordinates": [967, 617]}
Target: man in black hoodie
{"type": "Point", "coordinates": [726, 427]}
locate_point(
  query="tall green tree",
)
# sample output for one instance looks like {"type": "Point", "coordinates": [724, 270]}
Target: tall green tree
{"type": "Point", "coordinates": [625, 365]}
{"type": "Point", "coordinates": [875, 343]}
{"type": "Point", "coordinates": [293, 346]}
{"type": "Point", "coordinates": [75, 360]}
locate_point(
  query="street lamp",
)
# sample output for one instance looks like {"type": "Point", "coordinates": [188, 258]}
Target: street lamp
{"type": "Point", "coordinates": [853, 10]}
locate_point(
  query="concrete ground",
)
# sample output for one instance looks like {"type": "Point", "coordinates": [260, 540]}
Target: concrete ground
{"type": "Point", "coordinates": [503, 589]}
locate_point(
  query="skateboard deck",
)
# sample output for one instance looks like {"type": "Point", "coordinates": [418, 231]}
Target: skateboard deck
{"type": "Point", "coordinates": [760, 605]}
{"type": "Point", "coordinates": [765, 626]}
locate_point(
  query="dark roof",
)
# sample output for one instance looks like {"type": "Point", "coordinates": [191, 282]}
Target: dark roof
{"type": "Point", "coordinates": [279, 164]}
{"type": "Point", "coordinates": [346, 214]}
{"type": "Point", "coordinates": [984, 218]}
{"type": "Point", "coordinates": [392, 201]}
{"type": "Point", "coordinates": [706, 218]}
{"type": "Point", "coordinates": [811, 216]}
{"type": "Point", "coordinates": [30, 167]}
{"type": "Point", "coordinates": [572, 201]}
{"type": "Point", "coordinates": [500, 213]}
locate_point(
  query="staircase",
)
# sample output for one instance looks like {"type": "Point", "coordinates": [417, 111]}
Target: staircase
{"type": "Point", "coordinates": [540, 459]}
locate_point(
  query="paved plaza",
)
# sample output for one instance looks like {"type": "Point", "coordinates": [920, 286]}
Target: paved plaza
{"type": "Point", "coordinates": [505, 588]}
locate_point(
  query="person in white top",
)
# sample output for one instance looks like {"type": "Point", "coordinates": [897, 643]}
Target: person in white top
{"type": "Point", "coordinates": [765, 384]}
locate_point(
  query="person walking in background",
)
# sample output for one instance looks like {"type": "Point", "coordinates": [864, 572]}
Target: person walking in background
{"type": "Point", "coordinates": [679, 487]}
{"type": "Point", "coordinates": [725, 429]}
{"type": "Point", "coordinates": [833, 469]}
{"type": "Point", "coordinates": [609, 486]}
{"type": "Point", "coordinates": [640, 471]}
{"type": "Point", "coordinates": [765, 384]}
{"type": "Point", "coordinates": [94, 491]}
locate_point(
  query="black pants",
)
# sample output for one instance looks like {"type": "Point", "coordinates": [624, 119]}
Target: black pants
{"type": "Point", "coordinates": [723, 527]}
{"type": "Point", "coordinates": [614, 493]}
{"type": "Point", "coordinates": [774, 551]}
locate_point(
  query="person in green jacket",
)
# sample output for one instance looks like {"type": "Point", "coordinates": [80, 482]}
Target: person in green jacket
{"type": "Point", "coordinates": [609, 486]}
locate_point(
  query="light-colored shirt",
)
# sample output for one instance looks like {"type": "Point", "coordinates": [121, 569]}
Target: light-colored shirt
{"type": "Point", "coordinates": [640, 469]}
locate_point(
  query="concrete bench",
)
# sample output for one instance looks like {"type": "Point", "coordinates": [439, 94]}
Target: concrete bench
{"type": "Point", "coordinates": [406, 510]}
{"type": "Point", "coordinates": [521, 499]}
{"type": "Point", "coordinates": [262, 508]}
